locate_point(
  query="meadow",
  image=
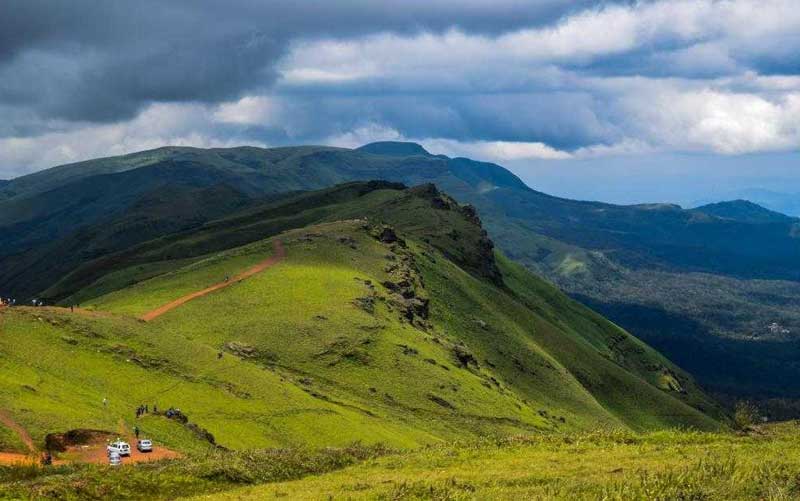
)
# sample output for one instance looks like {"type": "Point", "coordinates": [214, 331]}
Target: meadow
{"type": "Point", "coordinates": [762, 464]}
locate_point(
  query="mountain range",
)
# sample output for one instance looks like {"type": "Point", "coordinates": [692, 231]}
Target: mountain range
{"type": "Point", "coordinates": [715, 288]}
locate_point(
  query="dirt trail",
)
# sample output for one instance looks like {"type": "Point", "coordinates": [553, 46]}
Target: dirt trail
{"type": "Point", "coordinates": [11, 458]}
{"type": "Point", "coordinates": [14, 458]}
{"type": "Point", "coordinates": [22, 433]}
{"type": "Point", "coordinates": [279, 255]}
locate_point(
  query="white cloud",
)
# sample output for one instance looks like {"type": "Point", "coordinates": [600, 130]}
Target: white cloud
{"type": "Point", "coordinates": [719, 121]}
{"type": "Point", "coordinates": [158, 125]}
{"type": "Point", "coordinates": [363, 135]}
{"type": "Point", "coordinates": [696, 30]}
{"type": "Point", "coordinates": [497, 151]}
{"type": "Point", "coordinates": [249, 110]}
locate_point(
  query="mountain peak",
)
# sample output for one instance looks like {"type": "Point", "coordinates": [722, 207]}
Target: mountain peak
{"type": "Point", "coordinates": [394, 148]}
{"type": "Point", "coordinates": [742, 210]}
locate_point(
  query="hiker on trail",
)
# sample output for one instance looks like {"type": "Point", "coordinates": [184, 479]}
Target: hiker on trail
{"type": "Point", "coordinates": [227, 278]}
{"type": "Point", "coordinates": [146, 409]}
{"type": "Point", "coordinates": [155, 409]}
{"type": "Point", "coordinates": [71, 308]}
{"type": "Point", "coordinates": [47, 459]}
{"type": "Point", "coordinates": [136, 431]}
{"type": "Point", "coordinates": [105, 402]}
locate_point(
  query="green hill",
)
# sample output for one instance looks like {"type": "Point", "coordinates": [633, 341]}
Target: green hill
{"type": "Point", "coordinates": [713, 289]}
{"type": "Point", "coordinates": [391, 319]}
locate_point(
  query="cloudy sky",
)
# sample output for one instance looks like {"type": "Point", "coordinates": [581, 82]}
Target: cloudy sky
{"type": "Point", "coordinates": [622, 101]}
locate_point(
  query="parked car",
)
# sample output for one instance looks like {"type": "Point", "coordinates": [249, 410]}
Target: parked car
{"type": "Point", "coordinates": [114, 459]}
{"type": "Point", "coordinates": [144, 445]}
{"type": "Point", "coordinates": [120, 447]}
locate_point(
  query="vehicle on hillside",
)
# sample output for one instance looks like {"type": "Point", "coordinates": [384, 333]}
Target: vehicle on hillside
{"type": "Point", "coordinates": [114, 458]}
{"type": "Point", "coordinates": [144, 445]}
{"type": "Point", "coordinates": [120, 447]}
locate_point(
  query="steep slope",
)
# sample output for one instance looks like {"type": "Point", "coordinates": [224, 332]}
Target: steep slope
{"type": "Point", "coordinates": [391, 319]}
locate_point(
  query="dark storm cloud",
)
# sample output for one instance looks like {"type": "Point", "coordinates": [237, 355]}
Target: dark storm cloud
{"type": "Point", "coordinates": [103, 61]}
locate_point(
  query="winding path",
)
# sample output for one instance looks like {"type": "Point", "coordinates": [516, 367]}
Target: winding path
{"type": "Point", "coordinates": [277, 256]}
{"type": "Point", "coordinates": [11, 458]}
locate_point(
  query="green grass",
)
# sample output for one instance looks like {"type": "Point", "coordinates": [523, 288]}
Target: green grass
{"type": "Point", "coordinates": [10, 441]}
{"type": "Point", "coordinates": [202, 473]}
{"type": "Point", "coordinates": [666, 465]}
{"type": "Point", "coordinates": [609, 465]}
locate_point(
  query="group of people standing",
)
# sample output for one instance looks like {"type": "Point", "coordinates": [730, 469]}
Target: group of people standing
{"type": "Point", "coordinates": [144, 409]}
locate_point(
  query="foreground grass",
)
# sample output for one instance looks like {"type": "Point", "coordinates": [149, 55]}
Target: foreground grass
{"type": "Point", "coordinates": [610, 465]}
{"type": "Point", "coordinates": [213, 472]}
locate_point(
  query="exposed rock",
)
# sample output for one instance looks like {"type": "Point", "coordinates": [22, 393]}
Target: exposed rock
{"type": "Point", "coordinates": [440, 401]}
{"type": "Point", "coordinates": [464, 358]}
{"type": "Point", "coordinates": [58, 442]}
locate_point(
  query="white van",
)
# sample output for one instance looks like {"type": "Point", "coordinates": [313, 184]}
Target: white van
{"type": "Point", "coordinates": [120, 447]}
{"type": "Point", "coordinates": [144, 445]}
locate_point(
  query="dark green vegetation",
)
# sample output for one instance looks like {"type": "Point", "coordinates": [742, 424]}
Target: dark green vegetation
{"type": "Point", "coordinates": [714, 288]}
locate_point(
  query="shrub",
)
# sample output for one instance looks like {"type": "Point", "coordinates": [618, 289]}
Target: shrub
{"type": "Point", "coordinates": [745, 415]}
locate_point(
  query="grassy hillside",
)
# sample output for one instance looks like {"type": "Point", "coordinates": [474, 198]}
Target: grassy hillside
{"type": "Point", "coordinates": [406, 334]}
{"type": "Point", "coordinates": [617, 466]}
{"type": "Point", "coordinates": [635, 264]}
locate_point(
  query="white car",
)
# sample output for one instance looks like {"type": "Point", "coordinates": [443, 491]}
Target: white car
{"type": "Point", "coordinates": [114, 459]}
{"type": "Point", "coordinates": [120, 447]}
{"type": "Point", "coordinates": [145, 445]}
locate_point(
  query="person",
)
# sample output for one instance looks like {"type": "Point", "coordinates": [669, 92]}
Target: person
{"type": "Point", "coordinates": [72, 308]}
{"type": "Point", "coordinates": [219, 356]}
{"type": "Point", "coordinates": [155, 409]}
{"type": "Point", "coordinates": [105, 402]}
{"type": "Point", "coordinates": [47, 459]}
{"type": "Point", "coordinates": [136, 431]}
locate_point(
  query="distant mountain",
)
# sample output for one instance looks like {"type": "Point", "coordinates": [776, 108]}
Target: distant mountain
{"type": "Point", "coordinates": [784, 203]}
{"type": "Point", "coordinates": [745, 211]}
{"type": "Point", "coordinates": [672, 276]}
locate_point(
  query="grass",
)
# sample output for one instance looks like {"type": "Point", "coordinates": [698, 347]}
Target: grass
{"type": "Point", "coordinates": [667, 465]}
{"type": "Point", "coordinates": [10, 441]}
{"type": "Point", "coordinates": [211, 472]}
{"type": "Point", "coordinates": [614, 465]}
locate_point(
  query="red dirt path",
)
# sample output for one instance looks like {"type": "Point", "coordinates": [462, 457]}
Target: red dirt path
{"type": "Point", "coordinates": [279, 255]}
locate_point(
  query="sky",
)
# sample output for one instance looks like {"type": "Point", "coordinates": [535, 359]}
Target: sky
{"type": "Point", "coordinates": [622, 101]}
